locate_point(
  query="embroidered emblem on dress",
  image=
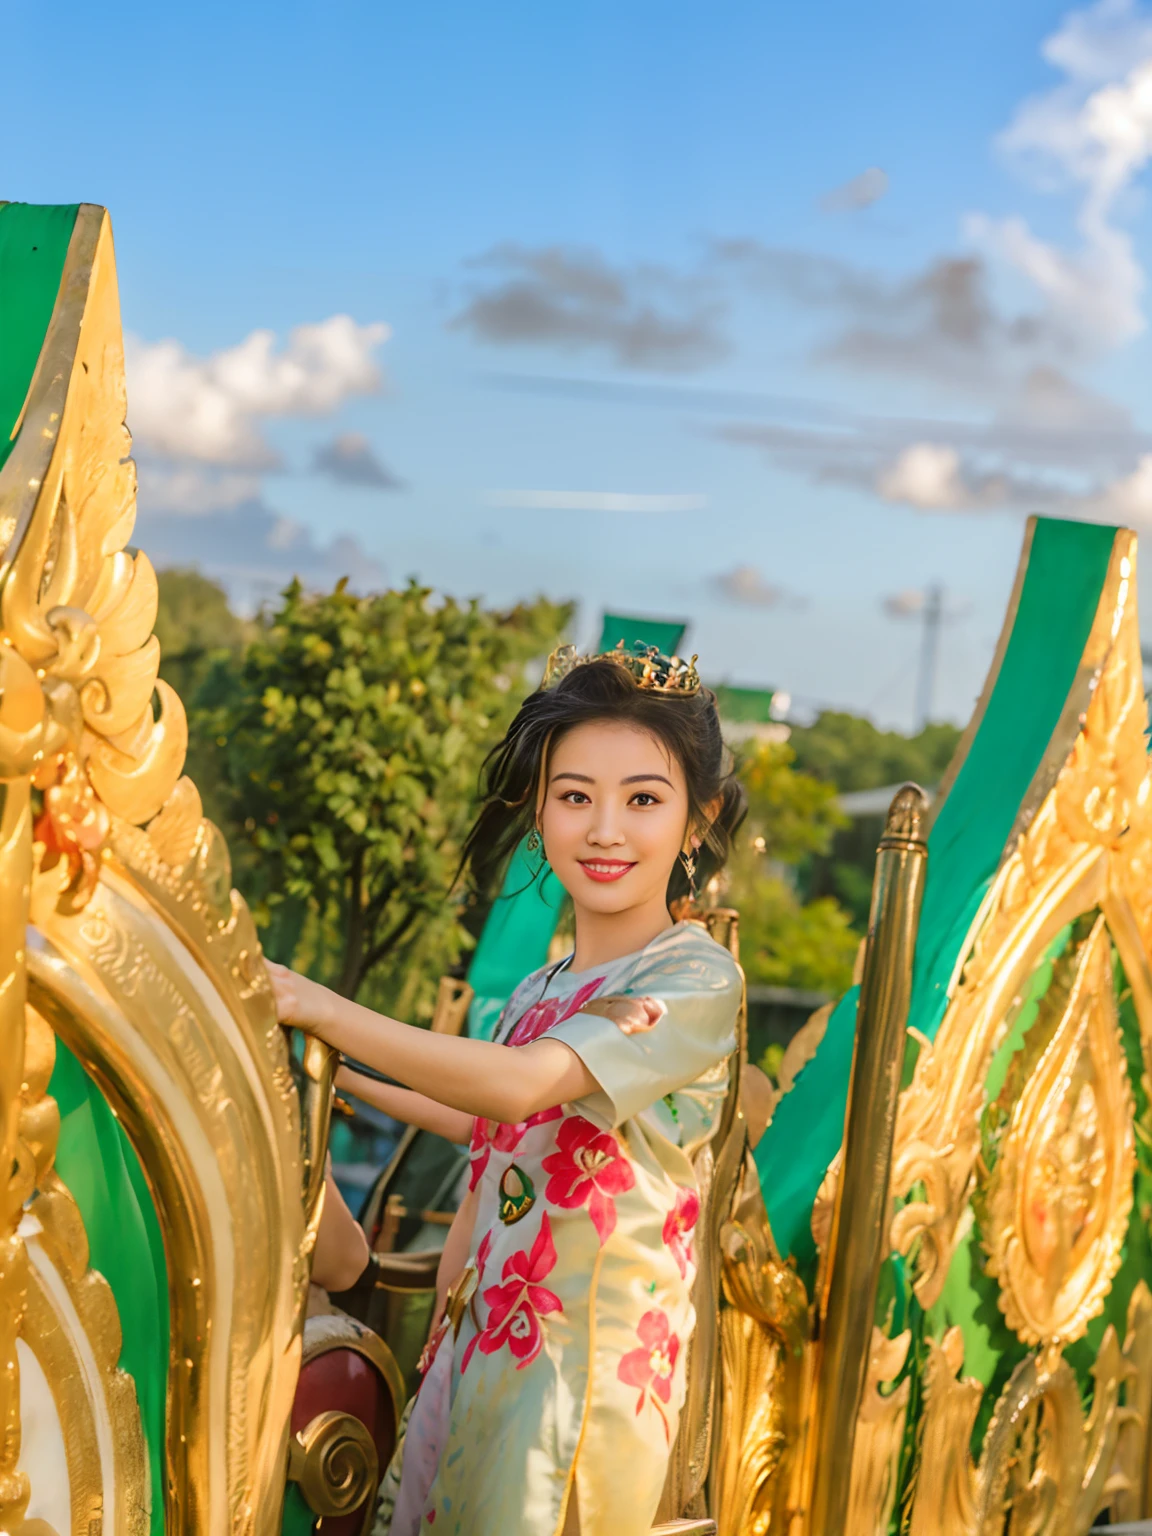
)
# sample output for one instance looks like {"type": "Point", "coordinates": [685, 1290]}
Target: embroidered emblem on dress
{"type": "Point", "coordinates": [517, 1195]}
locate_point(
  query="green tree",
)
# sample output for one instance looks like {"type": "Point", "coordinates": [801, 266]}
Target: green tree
{"type": "Point", "coordinates": [785, 941]}
{"type": "Point", "coordinates": [196, 626]}
{"type": "Point", "coordinates": [348, 740]}
{"type": "Point", "coordinates": [851, 753]}
{"type": "Point", "coordinates": [194, 622]}
{"type": "Point", "coordinates": [848, 753]}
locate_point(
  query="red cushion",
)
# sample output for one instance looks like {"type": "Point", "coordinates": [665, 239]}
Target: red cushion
{"type": "Point", "coordinates": [343, 1380]}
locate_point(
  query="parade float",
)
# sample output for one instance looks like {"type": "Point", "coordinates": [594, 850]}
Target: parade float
{"type": "Point", "coordinates": [924, 1299]}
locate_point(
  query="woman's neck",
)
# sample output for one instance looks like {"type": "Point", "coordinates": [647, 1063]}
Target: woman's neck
{"type": "Point", "coordinates": [602, 937]}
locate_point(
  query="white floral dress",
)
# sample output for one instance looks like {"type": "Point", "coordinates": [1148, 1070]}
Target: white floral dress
{"type": "Point", "coordinates": [568, 1369]}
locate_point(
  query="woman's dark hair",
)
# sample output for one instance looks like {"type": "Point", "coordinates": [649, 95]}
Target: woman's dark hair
{"type": "Point", "coordinates": [686, 724]}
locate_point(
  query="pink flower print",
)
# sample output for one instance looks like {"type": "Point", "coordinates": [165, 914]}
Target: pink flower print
{"type": "Point", "coordinates": [588, 1166]}
{"type": "Point", "coordinates": [516, 1306]}
{"type": "Point", "coordinates": [505, 1138]}
{"type": "Point", "coordinates": [479, 1151]}
{"type": "Point", "coordinates": [651, 1366]}
{"type": "Point", "coordinates": [678, 1225]}
{"type": "Point", "coordinates": [482, 1252]}
{"type": "Point", "coordinates": [508, 1137]}
{"type": "Point", "coordinates": [542, 1017]}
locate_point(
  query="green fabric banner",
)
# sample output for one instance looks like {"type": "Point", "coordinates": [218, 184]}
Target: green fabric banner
{"type": "Point", "coordinates": [664, 634]}
{"type": "Point", "coordinates": [96, 1161]}
{"type": "Point", "coordinates": [515, 939]}
{"type": "Point", "coordinates": [33, 245]}
{"type": "Point", "coordinates": [1058, 602]}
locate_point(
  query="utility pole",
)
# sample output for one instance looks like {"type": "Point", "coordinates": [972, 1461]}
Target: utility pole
{"type": "Point", "coordinates": [929, 645]}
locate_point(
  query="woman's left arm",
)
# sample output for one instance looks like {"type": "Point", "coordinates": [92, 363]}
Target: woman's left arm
{"type": "Point", "coordinates": [479, 1077]}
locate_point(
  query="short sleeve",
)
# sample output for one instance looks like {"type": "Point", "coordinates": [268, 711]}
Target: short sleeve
{"type": "Point", "coordinates": [700, 987]}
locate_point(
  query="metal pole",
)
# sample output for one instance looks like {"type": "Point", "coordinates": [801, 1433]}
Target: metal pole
{"type": "Point", "coordinates": [859, 1237]}
{"type": "Point", "coordinates": [929, 646]}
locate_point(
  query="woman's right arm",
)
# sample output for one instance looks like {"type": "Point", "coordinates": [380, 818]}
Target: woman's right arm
{"type": "Point", "coordinates": [405, 1105]}
{"type": "Point", "coordinates": [455, 1254]}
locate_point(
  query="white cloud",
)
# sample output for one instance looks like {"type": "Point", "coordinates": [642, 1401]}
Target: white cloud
{"type": "Point", "coordinates": [255, 552]}
{"type": "Point", "coordinates": [747, 585]}
{"type": "Point", "coordinates": [1126, 500]}
{"type": "Point", "coordinates": [908, 604]}
{"type": "Point", "coordinates": [350, 459]}
{"type": "Point", "coordinates": [861, 192]}
{"type": "Point", "coordinates": [210, 410]}
{"type": "Point", "coordinates": [1097, 44]}
{"type": "Point", "coordinates": [194, 489]}
{"type": "Point", "coordinates": [925, 475]}
{"type": "Point", "coordinates": [1093, 130]}
{"type": "Point", "coordinates": [594, 501]}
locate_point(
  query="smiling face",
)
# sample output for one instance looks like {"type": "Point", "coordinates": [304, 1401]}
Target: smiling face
{"type": "Point", "coordinates": [614, 816]}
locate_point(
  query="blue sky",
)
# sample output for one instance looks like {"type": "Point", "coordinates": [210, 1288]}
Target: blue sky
{"type": "Point", "coordinates": [757, 315]}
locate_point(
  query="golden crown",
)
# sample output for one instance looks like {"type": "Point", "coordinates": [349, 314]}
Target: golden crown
{"type": "Point", "coordinates": [648, 666]}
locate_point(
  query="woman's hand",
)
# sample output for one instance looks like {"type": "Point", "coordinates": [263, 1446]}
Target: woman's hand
{"type": "Point", "coordinates": [300, 1002]}
{"type": "Point", "coordinates": [631, 1015]}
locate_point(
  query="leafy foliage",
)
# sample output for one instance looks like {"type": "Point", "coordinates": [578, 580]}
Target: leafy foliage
{"type": "Point", "coordinates": [851, 753]}
{"type": "Point", "coordinates": [785, 941]}
{"type": "Point", "coordinates": [194, 622]}
{"type": "Point", "coordinates": [348, 740]}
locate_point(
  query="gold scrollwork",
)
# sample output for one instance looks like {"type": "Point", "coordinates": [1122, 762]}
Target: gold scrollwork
{"type": "Point", "coordinates": [1055, 1207]}
{"type": "Point", "coordinates": [1042, 1457]}
{"type": "Point", "coordinates": [767, 1359]}
{"type": "Point", "coordinates": [333, 1459]}
{"type": "Point", "coordinates": [145, 961]}
{"type": "Point", "coordinates": [1082, 839]}
{"type": "Point", "coordinates": [76, 610]}
{"type": "Point", "coordinates": [879, 1437]}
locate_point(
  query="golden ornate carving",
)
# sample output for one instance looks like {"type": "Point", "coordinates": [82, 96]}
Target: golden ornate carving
{"type": "Point", "coordinates": [857, 1241]}
{"type": "Point", "coordinates": [1041, 1458]}
{"type": "Point", "coordinates": [333, 1459]}
{"type": "Point", "coordinates": [219, 1140]}
{"type": "Point", "coordinates": [1069, 854]}
{"type": "Point", "coordinates": [879, 1437]}
{"type": "Point", "coordinates": [75, 609]}
{"type": "Point", "coordinates": [15, 1155]}
{"type": "Point", "coordinates": [718, 1164]}
{"type": "Point", "coordinates": [1131, 1468]}
{"type": "Point", "coordinates": [1055, 1209]}
{"type": "Point", "coordinates": [764, 1338]}
{"type": "Point", "coordinates": [145, 961]}
{"type": "Point", "coordinates": [73, 1328]}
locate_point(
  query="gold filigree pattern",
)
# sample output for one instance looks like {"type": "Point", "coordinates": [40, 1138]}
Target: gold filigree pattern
{"type": "Point", "coordinates": [1042, 1458]}
{"type": "Point", "coordinates": [1070, 854]}
{"type": "Point", "coordinates": [17, 1158]}
{"type": "Point", "coordinates": [1057, 1202]}
{"type": "Point", "coordinates": [879, 1437]}
{"type": "Point", "coordinates": [73, 1328]}
{"type": "Point", "coordinates": [144, 960]}
{"type": "Point", "coordinates": [76, 610]}
{"type": "Point", "coordinates": [767, 1362]}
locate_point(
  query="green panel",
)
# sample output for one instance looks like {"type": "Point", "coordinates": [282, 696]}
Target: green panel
{"type": "Point", "coordinates": [33, 245]}
{"type": "Point", "coordinates": [97, 1163]}
{"type": "Point", "coordinates": [515, 939]}
{"type": "Point", "coordinates": [1058, 603]}
{"type": "Point", "coordinates": [745, 705]}
{"type": "Point", "coordinates": [298, 1518]}
{"type": "Point", "coordinates": [664, 634]}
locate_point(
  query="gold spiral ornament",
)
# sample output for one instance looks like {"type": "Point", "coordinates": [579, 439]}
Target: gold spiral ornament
{"type": "Point", "coordinates": [333, 1459]}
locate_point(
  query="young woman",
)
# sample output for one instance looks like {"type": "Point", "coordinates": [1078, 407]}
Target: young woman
{"type": "Point", "coordinates": [553, 1404]}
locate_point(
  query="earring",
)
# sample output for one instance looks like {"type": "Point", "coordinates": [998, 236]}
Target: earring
{"type": "Point", "coordinates": [688, 859]}
{"type": "Point", "coordinates": [532, 841]}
